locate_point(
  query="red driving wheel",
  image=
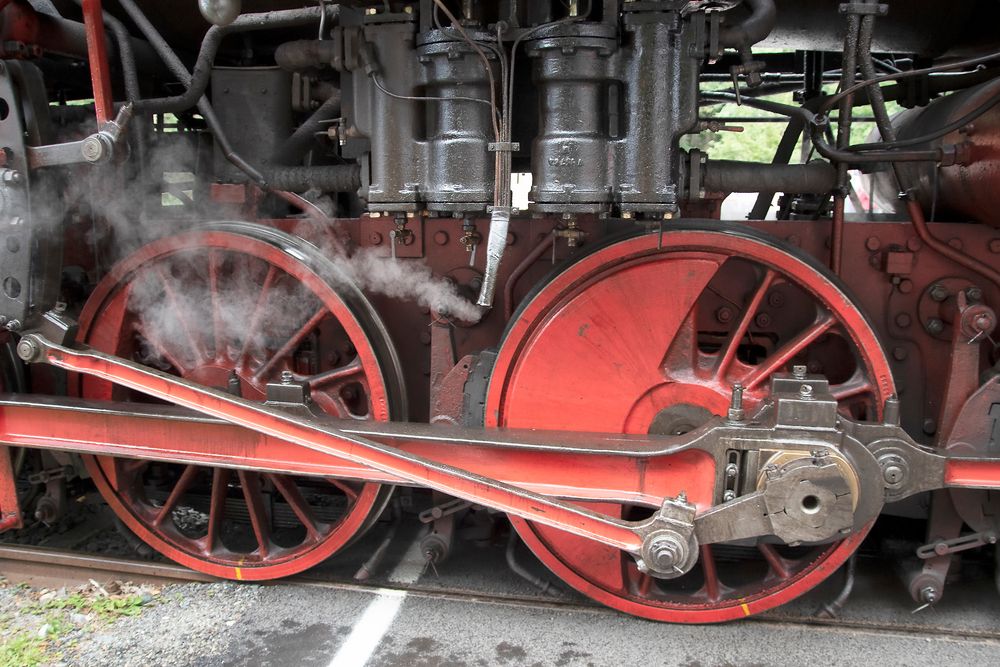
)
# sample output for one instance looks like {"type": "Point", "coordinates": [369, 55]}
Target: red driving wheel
{"type": "Point", "coordinates": [236, 307]}
{"type": "Point", "coordinates": [648, 335]}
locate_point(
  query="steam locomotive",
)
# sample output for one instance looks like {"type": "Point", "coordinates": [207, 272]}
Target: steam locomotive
{"type": "Point", "coordinates": [266, 264]}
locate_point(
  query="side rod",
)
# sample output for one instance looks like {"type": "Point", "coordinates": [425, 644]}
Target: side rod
{"type": "Point", "coordinates": [478, 489]}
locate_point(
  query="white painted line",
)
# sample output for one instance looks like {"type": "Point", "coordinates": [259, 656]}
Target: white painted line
{"type": "Point", "coordinates": [377, 618]}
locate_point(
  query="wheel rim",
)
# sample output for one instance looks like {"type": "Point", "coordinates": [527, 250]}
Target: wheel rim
{"type": "Point", "coordinates": [631, 339]}
{"type": "Point", "coordinates": [245, 303]}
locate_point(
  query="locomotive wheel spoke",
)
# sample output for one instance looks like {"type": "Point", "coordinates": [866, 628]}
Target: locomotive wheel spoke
{"type": "Point", "coordinates": [213, 281]}
{"type": "Point", "coordinates": [778, 565]}
{"type": "Point", "coordinates": [736, 338]}
{"type": "Point", "coordinates": [291, 344]}
{"type": "Point", "coordinates": [255, 279]}
{"type": "Point", "coordinates": [180, 314]}
{"type": "Point", "coordinates": [346, 488]}
{"type": "Point", "coordinates": [713, 587]}
{"type": "Point", "coordinates": [858, 385]}
{"type": "Point", "coordinates": [260, 308]}
{"type": "Point", "coordinates": [781, 357]}
{"type": "Point", "coordinates": [216, 508]}
{"type": "Point", "coordinates": [290, 492]}
{"type": "Point", "coordinates": [163, 352]}
{"type": "Point", "coordinates": [777, 309]}
{"type": "Point", "coordinates": [180, 488]}
{"type": "Point", "coordinates": [259, 520]}
{"type": "Point", "coordinates": [337, 378]}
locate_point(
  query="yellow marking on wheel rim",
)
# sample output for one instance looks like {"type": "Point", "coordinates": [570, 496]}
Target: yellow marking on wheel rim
{"type": "Point", "coordinates": [239, 575]}
{"type": "Point", "coordinates": [746, 609]}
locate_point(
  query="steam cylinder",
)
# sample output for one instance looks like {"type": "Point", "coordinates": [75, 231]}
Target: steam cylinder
{"type": "Point", "coordinates": [570, 158]}
{"type": "Point", "coordinates": [395, 126]}
{"type": "Point", "coordinates": [460, 169]}
{"type": "Point", "coordinates": [660, 64]}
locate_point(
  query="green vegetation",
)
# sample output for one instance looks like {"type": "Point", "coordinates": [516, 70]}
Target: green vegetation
{"type": "Point", "coordinates": [22, 650]}
{"type": "Point", "coordinates": [41, 640]}
{"type": "Point", "coordinates": [104, 607]}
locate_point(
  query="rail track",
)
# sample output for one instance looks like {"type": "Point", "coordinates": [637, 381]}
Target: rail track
{"type": "Point", "coordinates": [58, 566]}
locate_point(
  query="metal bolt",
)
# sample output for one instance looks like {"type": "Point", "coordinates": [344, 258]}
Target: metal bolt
{"type": "Point", "coordinates": [903, 320]}
{"type": "Point", "coordinates": [939, 293]}
{"type": "Point", "coordinates": [983, 322]}
{"type": "Point", "coordinates": [934, 326]}
{"type": "Point", "coordinates": [928, 595]}
{"type": "Point", "coordinates": [900, 353]}
{"type": "Point", "coordinates": [873, 243]}
{"type": "Point", "coordinates": [92, 149]}
{"type": "Point", "coordinates": [800, 372]}
{"type": "Point", "coordinates": [287, 377]}
{"type": "Point", "coordinates": [729, 496]}
{"type": "Point", "coordinates": [736, 413]}
{"type": "Point", "coordinates": [731, 471]}
{"type": "Point", "coordinates": [666, 553]}
{"type": "Point", "coordinates": [27, 349]}
{"type": "Point", "coordinates": [974, 294]}
{"type": "Point", "coordinates": [890, 414]}
{"type": "Point", "coordinates": [13, 325]}
{"type": "Point", "coordinates": [930, 426]}
{"type": "Point", "coordinates": [724, 315]}
{"type": "Point", "coordinates": [805, 391]}
{"type": "Point", "coordinates": [893, 474]}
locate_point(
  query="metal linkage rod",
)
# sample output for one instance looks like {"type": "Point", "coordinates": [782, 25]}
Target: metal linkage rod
{"type": "Point", "coordinates": [258, 417]}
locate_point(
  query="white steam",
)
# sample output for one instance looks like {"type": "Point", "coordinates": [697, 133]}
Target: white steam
{"type": "Point", "coordinates": [374, 271]}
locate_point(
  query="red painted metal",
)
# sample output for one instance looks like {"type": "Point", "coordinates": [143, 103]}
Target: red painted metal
{"type": "Point", "coordinates": [97, 55]}
{"type": "Point", "coordinates": [10, 507]}
{"type": "Point", "coordinates": [432, 474]}
{"type": "Point", "coordinates": [212, 283]}
{"type": "Point", "coordinates": [618, 341]}
{"type": "Point", "coordinates": [972, 474]}
{"type": "Point", "coordinates": [149, 432]}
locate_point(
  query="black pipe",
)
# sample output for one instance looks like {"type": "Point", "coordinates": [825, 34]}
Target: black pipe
{"type": "Point", "coordinates": [178, 69]}
{"type": "Point", "coordinates": [755, 28]}
{"type": "Point", "coordinates": [202, 73]}
{"type": "Point", "coordinates": [332, 178]}
{"type": "Point", "coordinates": [817, 177]}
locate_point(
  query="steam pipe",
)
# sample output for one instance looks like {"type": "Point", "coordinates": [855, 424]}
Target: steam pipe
{"type": "Point", "coordinates": [945, 250]}
{"type": "Point", "coordinates": [817, 177]}
{"type": "Point", "coordinates": [848, 76]}
{"type": "Point", "coordinates": [202, 73]}
{"type": "Point", "coordinates": [755, 28]}
{"type": "Point", "coordinates": [332, 178]}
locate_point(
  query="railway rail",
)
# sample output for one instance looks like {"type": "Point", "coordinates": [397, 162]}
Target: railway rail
{"type": "Point", "coordinates": [61, 565]}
